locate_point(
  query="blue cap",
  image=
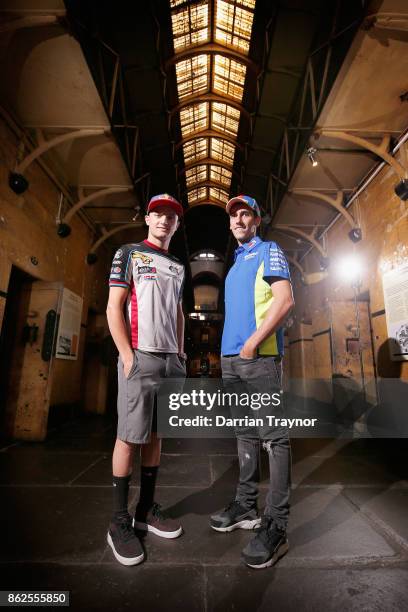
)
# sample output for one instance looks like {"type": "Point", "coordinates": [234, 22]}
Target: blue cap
{"type": "Point", "coordinates": [244, 199]}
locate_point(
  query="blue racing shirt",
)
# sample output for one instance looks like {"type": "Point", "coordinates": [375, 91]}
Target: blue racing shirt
{"type": "Point", "coordinates": [249, 294]}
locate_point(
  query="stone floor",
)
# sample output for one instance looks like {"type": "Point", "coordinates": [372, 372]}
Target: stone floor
{"type": "Point", "coordinates": [348, 530]}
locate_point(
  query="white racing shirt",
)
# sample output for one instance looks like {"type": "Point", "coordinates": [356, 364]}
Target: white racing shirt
{"type": "Point", "coordinates": [155, 282]}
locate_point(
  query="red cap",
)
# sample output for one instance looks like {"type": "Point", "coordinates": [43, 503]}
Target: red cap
{"type": "Point", "coordinates": [164, 199]}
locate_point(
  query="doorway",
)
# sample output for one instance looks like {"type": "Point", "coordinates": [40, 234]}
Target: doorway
{"type": "Point", "coordinates": [11, 338]}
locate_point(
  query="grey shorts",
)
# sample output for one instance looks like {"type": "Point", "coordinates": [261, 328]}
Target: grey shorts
{"type": "Point", "coordinates": [137, 393]}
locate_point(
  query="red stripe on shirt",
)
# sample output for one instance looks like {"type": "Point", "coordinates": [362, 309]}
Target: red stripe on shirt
{"type": "Point", "coordinates": [154, 246]}
{"type": "Point", "coordinates": [134, 322]}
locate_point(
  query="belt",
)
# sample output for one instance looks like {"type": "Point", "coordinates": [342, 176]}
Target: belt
{"type": "Point", "coordinates": [277, 358]}
{"type": "Point", "coordinates": [157, 353]}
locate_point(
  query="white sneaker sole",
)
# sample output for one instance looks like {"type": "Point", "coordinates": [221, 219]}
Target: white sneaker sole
{"type": "Point", "coordinates": [282, 550]}
{"type": "Point", "coordinates": [124, 560]}
{"type": "Point", "coordinates": [169, 535]}
{"type": "Point", "coordinates": [246, 524]}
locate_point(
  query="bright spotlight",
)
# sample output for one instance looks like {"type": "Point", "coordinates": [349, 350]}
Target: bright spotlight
{"type": "Point", "coordinates": [350, 268]}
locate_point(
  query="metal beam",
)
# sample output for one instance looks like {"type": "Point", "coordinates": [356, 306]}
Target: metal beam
{"type": "Point", "coordinates": [107, 235]}
{"type": "Point", "coordinates": [210, 97]}
{"type": "Point", "coordinates": [46, 145]}
{"type": "Point", "coordinates": [336, 202]}
{"type": "Point", "coordinates": [211, 49]}
{"type": "Point", "coordinates": [93, 196]}
{"type": "Point", "coordinates": [381, 150]}
{"type": "Point", "coordinates": [208, 161]}
{"type": "Point", "coordinates": [29, 21]}
{"type": "Point", "coordinates": [308, 237]}
{"type": "Point", "coordinates": [207, 183]}
{"type": "Point", "coordinates": [209, 134]}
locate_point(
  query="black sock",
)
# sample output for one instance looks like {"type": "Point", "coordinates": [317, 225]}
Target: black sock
{"type": "Point", "coordinates": [120, 495]}
{"type": "Point", "coordinates": [148, 477]}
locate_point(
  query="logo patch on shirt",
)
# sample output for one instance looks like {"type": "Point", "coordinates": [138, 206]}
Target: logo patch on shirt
{"type": "Point", "coordinates": [174, 269]}
{"type": "Point", "coordinates": [250, 255]}
{"type": "Point", "coordinates": [116, 270]}
{"type": "Point", "coordinates": [117, 261]}
{"type": "Point", "coordinates": [149, 277]}
{"type": "Point", "coordinates": [118, 254]}
{"type": "Point", "coordinates": [115, 276]}
{"type": "Point", "coordinates": [251, 244]}
{"type": "Point", "coordinates": [146, 269]}
{"type": "Point", "coordinates": [145, 259]}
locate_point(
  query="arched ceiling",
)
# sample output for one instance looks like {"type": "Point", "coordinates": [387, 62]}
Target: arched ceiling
{"type": "Point", "coordinates": [206, 99]}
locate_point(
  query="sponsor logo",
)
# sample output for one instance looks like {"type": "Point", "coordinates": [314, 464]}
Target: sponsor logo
{"type": "Point", "coordinates": [118, 254]}
{"type": "Point", "coordinates": [146, 269]}
{"type": "Point", "coordinates": [251, 244]}
{"type": "Point", "coordinates": [250, 255]}
{"type": "Point", "coordinates": [149, 277]}
{"type": "Point", "coordinates": [116, 270]}
{"type": "Point", "coordinates": [115, 276]}
{"type": "Point", "coordinates": [117, 261]}
{"type": "Point", "coordinates": [174, 269]}
{"type": "Point", "coordinates": [145, 259]}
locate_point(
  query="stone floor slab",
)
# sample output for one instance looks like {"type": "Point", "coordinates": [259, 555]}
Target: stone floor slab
{"type": "Point", "coordinates": [367, 590]}
{"type": "Point", "coordinates": [113, 586]}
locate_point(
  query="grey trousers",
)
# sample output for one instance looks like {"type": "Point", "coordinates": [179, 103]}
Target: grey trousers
{"type": "Point", "coordinates": [250, 376]}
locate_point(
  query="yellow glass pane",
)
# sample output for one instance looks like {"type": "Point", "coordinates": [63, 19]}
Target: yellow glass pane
{"type": "Point", "coordinates": [194, 195]}
{"type": "Point", "coordinates": [190, 25]}
{"type": "Point", "coordinates": [229, 76]}
{"type": "Point", "coordinates": [196, 175]}
{"type": "Point", "coordinates": [225, 118]}
{"type": "Point", "coordinates": [194, 118]}
{"type": "Point", "coordinates": [219, 174]}
{"type": "Point", "coordinates": [195, 149]}
{"type": "Point", "coordinates": [233, 24]}
{"type": "Point", "coordinates": [222, 150]}
{"type": "Point", "coordinates": [192, 75]}
{"type": "Point", "coordinates": [219, 194]}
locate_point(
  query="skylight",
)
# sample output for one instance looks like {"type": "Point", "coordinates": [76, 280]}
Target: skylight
{"type": "Point", "coordinates": [195, 149]}
{"type": "Point", "coordinates": [194, 118]}
{"type": "Point", "coordinates": [224, 118]}
{"type": "Point", "coordinates": [193, 75]}
{"type": "Point", "coordinates": [195, 195]}
{"type": "Point", "coordinates": [195, 175]}
{"type": "Point", "coordinates": [233, 24]}
{"type": "Point", "coordinates": [190, 25]}
{"type": "Point", "coordinates": [219, 194]}
{"type": "Point", "coordinates": [218, 174]}
{"type": "Point", "coordinates": [221, 75]}
{"type": "Point", "coordinates": [229, 77]}
{"type": "Point", "coordinates": [222, 150]}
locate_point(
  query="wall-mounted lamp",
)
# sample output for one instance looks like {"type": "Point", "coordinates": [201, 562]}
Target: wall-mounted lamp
{"type": "Point", "coordinates": [63, 230]}
{"type": "Point", "coordinates": [18, 183]}
{"type": "Point", "coordinates": [91, 259]}
{"type": "Point", "coordinates": [355, 234]}
{"type": "Point", "coordinates": [401, 189]}
{"type": "Point", "coordinates": [311, 153]}
{"type": "Point", "coordinates": [324, 263]}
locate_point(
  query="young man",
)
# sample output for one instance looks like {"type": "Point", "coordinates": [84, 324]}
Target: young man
{"type": "Point", "coordinates": [258, 297]}
{"type": "Point", "coordinates": [150, 338]}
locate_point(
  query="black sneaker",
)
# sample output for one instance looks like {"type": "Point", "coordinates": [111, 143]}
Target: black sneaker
{"type": "Point", "coordinates": [124, 542]}
{"type": "Point", "coordinates": [235, 516]}
{"type": "Point", "coordinates": [156, 521]}
{"type": "Point", "coordinates": [269, 545]}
